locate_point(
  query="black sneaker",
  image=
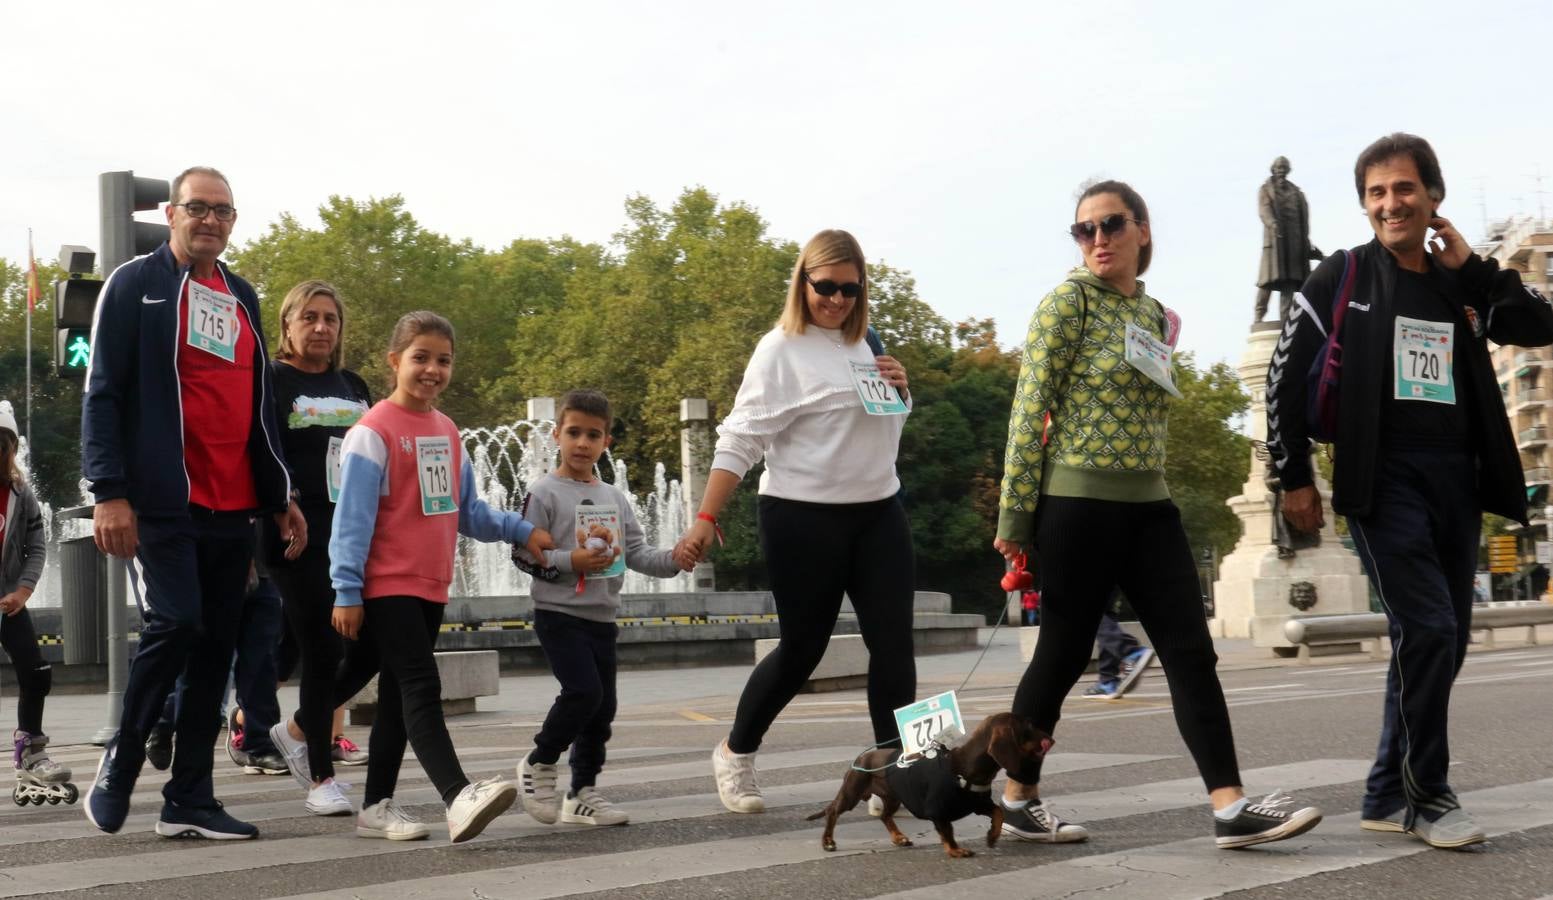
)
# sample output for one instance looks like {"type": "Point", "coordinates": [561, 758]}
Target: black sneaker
{"type": "Point", "coordinates": [211, 822]}
{"type": "Point", "coordinates": [1265, 821]}
{"type": "Point", "coordinates": [107, 800]}
{"type": "Point", "coordinates": [1036, 822]}
{"type": "Point", "coordinates": [265, 762]}
{"type": "Point", "coordinates": [159, 747]}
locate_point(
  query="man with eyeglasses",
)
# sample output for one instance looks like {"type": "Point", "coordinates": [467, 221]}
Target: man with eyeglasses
{"type": "Point", "coordinates": [1422, 448]}
{"type": "Point", "coordinates": [180, 449]}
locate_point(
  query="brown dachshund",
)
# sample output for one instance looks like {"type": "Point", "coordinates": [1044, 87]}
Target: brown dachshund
{"type": "Point", "coordinates": [945, 788]}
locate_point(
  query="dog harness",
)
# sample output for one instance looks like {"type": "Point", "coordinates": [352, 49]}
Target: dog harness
{"type": "Point", "coordinates": [931, 790]}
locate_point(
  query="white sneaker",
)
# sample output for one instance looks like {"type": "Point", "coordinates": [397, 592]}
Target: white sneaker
{"type": "Point", "coordinates": [536, 784]}
{"type": "Point", "coordinates": [294, 752]}
{"type": "Point", "coordinates": [736, 787]}
{"type": "Point", "coordinates": [328, 799]}
{"type": "Point", "coordinates": [588, 807]}
{"type": "Point", "coordinates": [385, 819]}
{"type": "Point", "coordinates": [476, 805]}
{"type": "Point", "coordinates": [875, 806]}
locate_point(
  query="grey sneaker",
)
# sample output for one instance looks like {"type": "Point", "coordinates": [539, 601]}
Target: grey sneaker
{"type": "Point", "coordinates": [1392, 822]}
{"type": "Point", "coordinates": [1454, 829]}
{"type": "Point", "coordinates": [1036, 822]}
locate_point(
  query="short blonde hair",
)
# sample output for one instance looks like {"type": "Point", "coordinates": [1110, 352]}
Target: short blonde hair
{"type": "Point", "coordinates": [296, 300]}
{"type": "Point", "coordinates": [827, 248]}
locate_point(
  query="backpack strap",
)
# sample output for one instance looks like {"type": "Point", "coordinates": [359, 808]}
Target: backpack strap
{"type": "Point", "coordinates": [1344, 291]}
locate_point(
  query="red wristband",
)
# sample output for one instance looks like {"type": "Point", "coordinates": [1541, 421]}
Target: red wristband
{"type": "Point", "coordinates": [708, 517]}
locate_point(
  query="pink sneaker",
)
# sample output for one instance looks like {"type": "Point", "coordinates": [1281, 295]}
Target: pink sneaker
{"type": "Point", "coordinates": [346, 753]}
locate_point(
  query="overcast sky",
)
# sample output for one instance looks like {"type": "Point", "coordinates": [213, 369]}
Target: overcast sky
{"type": "Point", "coordinates": [950, 138]}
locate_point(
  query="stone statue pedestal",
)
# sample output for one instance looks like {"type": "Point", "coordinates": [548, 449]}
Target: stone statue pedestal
{"type": "Point", "coordinates": [1252, 596]}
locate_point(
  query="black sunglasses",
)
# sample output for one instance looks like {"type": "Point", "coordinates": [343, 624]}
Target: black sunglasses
{"type": "Point", "coordinates": [1084, 232]}
{"type": "Point", "coordinates": [851, 290]}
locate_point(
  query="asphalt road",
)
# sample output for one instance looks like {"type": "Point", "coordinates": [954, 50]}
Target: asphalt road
{"type": "Point", "coordinates": [1119, 767]}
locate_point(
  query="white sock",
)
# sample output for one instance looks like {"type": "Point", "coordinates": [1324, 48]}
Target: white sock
{"type": "Point", "coordinates": [1228, 813]}
{"type": "Point", "coordinates": [1017, 804]}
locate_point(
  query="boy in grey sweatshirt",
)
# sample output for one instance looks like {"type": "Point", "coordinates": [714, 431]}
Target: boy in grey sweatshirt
{"type": "Point", "coordinates": [576, 592]}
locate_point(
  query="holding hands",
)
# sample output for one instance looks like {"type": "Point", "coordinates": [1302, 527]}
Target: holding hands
{"type": "Point", "coordinates": [694, 543]}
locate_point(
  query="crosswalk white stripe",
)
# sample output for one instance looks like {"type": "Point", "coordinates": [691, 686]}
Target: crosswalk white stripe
{"type": "Point", "coordinates": [242, 855]}
{"type": "Point", "coordinates": [814, 792]}
{"type": "Point", "coordinates": [618, 871]}
{"type": "Point", "coordinates": [1185, 870]}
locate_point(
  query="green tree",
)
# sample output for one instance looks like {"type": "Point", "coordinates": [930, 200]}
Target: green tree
{"type": "Point", "coordinates": [56, 402]}
{"type": "Point", "coordinates": [1205, 458]}
{"type": "Point", "coordinates": [385, 265]}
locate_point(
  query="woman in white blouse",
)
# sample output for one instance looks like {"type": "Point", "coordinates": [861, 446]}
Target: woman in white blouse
{"type": "Point", "coordinates": [824, 406]}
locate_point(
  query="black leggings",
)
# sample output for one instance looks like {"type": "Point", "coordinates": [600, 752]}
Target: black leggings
{"type": "Point", "coordinates": [34, 677]}
{"type": "Point", "coordinates": [409, 698]}
{"type": "Point", "coordinates": [1090, 547]}
{"type": "Point", "coordinates": [331, 665]}
{"type": "Point", "coordinates": [814, 553]}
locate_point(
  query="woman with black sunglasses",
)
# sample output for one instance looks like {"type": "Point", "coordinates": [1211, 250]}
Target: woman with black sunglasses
{"type": "Point", "coordinates": [1084, 482]}
{"type": "Point", "coordinates": [824, 406]}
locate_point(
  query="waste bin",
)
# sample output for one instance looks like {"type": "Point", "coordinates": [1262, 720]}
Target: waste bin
{"type": "Point", "coordinates": [83, 601]}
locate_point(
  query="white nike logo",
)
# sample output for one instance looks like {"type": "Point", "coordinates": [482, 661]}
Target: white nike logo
{"type": "Point", "coordinates": [146, 299]}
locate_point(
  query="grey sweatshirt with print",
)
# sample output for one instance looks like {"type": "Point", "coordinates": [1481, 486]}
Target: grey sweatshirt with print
{"type": "Point", "coordinates": [552, 504]}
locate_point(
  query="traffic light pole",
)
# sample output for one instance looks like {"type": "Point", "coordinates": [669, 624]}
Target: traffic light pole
{"type": "Point", "coordinates": [118, 650]}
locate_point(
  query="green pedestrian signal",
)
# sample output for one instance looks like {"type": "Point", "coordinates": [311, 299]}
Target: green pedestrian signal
{"type": "Point", "coordinates": [74, 351]}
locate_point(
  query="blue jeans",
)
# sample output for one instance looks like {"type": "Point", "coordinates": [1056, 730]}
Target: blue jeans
{"type": "Point", "coordinates": [252, 670]}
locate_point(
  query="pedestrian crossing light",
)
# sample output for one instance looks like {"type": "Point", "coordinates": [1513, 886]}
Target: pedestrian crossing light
{"type": "Point", "coordinates": [74, 351]}
{"type": "Point", "coordinates": [75, 303]}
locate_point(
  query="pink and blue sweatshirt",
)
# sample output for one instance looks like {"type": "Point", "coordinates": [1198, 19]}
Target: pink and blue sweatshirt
{"type": "Point", "coordinates": [388, 539]}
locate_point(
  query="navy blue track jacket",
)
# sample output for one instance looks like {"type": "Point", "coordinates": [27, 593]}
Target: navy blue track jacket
{"type": "Point", "coordinates": [132, 407]}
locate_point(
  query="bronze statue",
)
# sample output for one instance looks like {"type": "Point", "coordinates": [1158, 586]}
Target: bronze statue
{"type": "Point", "coordinates": [1286, 247]}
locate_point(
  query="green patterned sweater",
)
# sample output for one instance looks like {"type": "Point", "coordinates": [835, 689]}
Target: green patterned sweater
{"type": "Point", "coordinates": [1106, 440]}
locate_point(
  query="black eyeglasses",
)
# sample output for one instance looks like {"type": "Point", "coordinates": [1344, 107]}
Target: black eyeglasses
{"type": "Point", "coordinates": [825, 287]}
{"type": "Point", "coordinates": [1084, 232]}
{"type": "Point", "coordinates": [200, 209]}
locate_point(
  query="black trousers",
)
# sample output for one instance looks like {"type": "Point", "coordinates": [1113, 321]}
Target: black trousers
{"type": "Point", "coordinates": [409, 698]}
{"type": "Point", "coordinates": [331, 665]}
{"type": "Point", "coordinates": [582, 657]}
{"type": "Point", "coordinates": [1419, 545]}
{"type": "Point", "coordinates": [815, 553]}
{"type": "Point", "coordinates": [1087, 549]}
{"type": "Point", "coordinates": [34, 677]}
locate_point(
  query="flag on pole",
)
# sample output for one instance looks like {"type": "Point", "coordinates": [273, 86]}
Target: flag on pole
{"type": "Point", "coordinates": [32, 275]}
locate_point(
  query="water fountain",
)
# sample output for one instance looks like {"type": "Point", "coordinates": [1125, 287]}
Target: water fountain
{"type": "Point", "coordinates": [508, 458]}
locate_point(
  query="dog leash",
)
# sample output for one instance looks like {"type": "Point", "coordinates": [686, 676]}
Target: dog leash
{"type": "Point", "coordinates": [974, 666]}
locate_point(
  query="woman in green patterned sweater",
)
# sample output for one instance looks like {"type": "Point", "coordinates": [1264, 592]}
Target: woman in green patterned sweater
{"type": "Point", "coordinates": [1084, 481]}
